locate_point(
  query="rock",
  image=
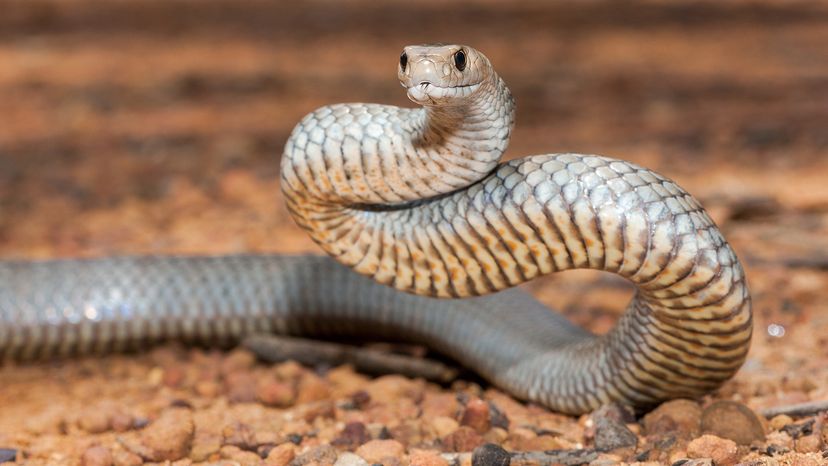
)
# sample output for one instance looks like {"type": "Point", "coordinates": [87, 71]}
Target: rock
{"type": "Point", "coordinates": [353, 435]}
{"type": "Point", "coordinates": [444, 426]}
{"type": "Point", "coordinates": [272, 392]}
{"type": "Point", "coordinates": [126, 458]}
{"type": "Point", "coordinates": [95, 456]}
{"type": "Point", "coordinates": [311, 387]}
{"type": "Point", "coordinates": [780, 421]}
{"type": "Point", "coordinates": [723, 452]}
{"type": "Point", "coordinates": [239, 456]}
{"type": "Point", "coordinates": [281, 455]}
{"type": "Point", "coordinates": [463, 439]}
{"type": "Point", "coordinates": [7, 455]}
{"type": "Point", "coordinates": [498, 417]}
{"type": "Point", "coordinates": [437, 404]}
{"type": "Point", "coordinates": [350, 459]}
{"type": "Point", "coordinates": [476, 415]}
{"type": "Point", "coordinates": [780, 440]}
{"type": "Point", "coordinates": [168, 438]}
{"type": "Point", "coordinates": [426, 458]}
{"type": "Point", "coordinates": [323, 454]}
{"type": "Point", "coordinates": [95, 419]}
{"type": "Point", "coordinates": [490, 454]}
{"type": "Point", "coordinates": [612, 434]}
{"type": "Point", "coordinates": [809, 443]}
{"type": "Point", "coordinates": [241, 387]}
{"type": "Point", "coordinates": [377, 450]}
{"type": "Point", "coordinates": [734, 421]}
{"type": "Point", "coordinates": [238, 360]}
{"type": "Point", "coordinates": [679, 417]}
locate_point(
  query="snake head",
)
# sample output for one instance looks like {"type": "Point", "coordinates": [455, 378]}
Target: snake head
{"type": "Point", "coordinates": [442, 74]}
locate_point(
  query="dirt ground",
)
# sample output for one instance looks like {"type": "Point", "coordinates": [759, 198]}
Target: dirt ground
{"type": "Point", "coordinates": [142, 127]}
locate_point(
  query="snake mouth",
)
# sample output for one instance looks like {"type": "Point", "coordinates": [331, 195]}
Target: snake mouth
{"type": "Point", "coordinates": [427, 92]}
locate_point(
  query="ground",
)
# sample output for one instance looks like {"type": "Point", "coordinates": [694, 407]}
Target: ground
{"type": "Point", "coordinates": [156, 127]}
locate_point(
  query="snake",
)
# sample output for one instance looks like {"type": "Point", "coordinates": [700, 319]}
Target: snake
{"type": "Point", "coordinates": [440, 231]}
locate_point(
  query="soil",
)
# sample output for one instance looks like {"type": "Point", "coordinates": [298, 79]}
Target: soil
{"type": "Point", "coordinates": [140, 127]}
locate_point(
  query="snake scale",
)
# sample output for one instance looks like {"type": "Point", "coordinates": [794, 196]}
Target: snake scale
{"type": "Point", "coordinates": [418, 200]}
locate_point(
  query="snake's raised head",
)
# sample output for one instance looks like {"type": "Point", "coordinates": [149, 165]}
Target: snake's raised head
{"type": "Point", "coordinates": [442, 74]}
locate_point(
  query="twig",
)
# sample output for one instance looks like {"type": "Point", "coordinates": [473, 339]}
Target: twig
{"type": "Point", "coordinates": [273, 348]}
{"type": "Point", "coordinates": [797, 410]}
{"type": "Point", "coordinates": [494, 455]}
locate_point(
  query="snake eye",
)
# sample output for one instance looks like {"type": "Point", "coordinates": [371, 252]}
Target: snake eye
{"type": "Point", "coordinates": [460, 60]}
{"type": "Point", "coordinates": [403, 61]}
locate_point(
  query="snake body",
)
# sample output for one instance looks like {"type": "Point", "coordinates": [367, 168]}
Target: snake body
{"type": "Point", "coordinates": [418, 200]}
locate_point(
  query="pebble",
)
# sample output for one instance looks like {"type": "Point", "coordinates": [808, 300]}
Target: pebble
{"type": "Point", "coordinates": [272, 392]}
{"type": "Point", "coordinates": [809, 443]}
{"type": "Point", "coordinates": [322, 454]}
{"type": "Point", "coordinates": [350, 459]}
{"type": "Point", "coordinates": [444, 426]}
{"type": "Point", "coordinates": [439, 404]}
{"type": "Point", "coordinates": [353, 435]}
{"type": "Point", "coordinates": [281, 455]}
{"type": "Point", "coordinates": [242, 457]}
{"type": "Point", "coordinates": [375, 451]}
{"type": "Point", "coordinates": [779, 439]}
{"type": "Point", "coordinates": [780, 421]}
{"type": "Point", "coordinates": [723, 452]}
{"type": "Point", "coordinates": [426, 458]}
{"type": "Point", "coordinates": [463, 439]}
{"type": "Point", "coordinates": [96, 456]}
{"type": "Point", "coordinates": [694, 462]}
{"type": "Point", "coordinates": [679, 417]}
{"type": "Point", "coordinates": [490, 454]}
{"type": "Point", "coordinates": [7, 454]}
{"type": "Point", "coordinates": [476, 415]}
{"type": "Point", "coordinates": [169, 437]}
{"type": "Point", "coordinates": [612, 434]}
{"type": "Point", "coordinates": [734, 421]}
{"type": "Point", "coordinates": [241, 387]}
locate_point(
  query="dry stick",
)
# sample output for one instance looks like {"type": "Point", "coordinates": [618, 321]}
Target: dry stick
{"type": "Point", "coordinates": [797, 410]}
{"type": "Point", "coordinates": [274, 348]}
{"type": "Point", "coordinates": [490, 454]}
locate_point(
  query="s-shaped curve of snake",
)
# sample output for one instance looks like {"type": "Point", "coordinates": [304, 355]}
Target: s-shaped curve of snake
{"type": "Point", "coordinates": [418, 200]}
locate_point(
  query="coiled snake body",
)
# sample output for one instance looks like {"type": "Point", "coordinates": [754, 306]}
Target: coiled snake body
{"type": "Point", "coordinates": [417, 199]}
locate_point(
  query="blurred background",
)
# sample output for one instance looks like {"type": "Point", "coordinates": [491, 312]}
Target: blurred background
{"type": "Point", "coordinates": [142, 126]}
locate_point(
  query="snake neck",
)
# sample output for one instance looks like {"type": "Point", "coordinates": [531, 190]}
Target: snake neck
{"type": "Point", "coordinates": [346, 155]}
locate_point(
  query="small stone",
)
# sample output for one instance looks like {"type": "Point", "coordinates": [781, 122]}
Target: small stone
{"type": "Point", "coordinates": [444, 426]}
{"type": "Point", "coordinates": [426, 458]}
{"type": "Point", "coordinates": [169, 437]}
{"type": "Point", "coordinates": [7, 455]}
{"type": "Point", "coordinates": [96, 456]}
{"type": "Point", "coordinates": [694, 462]}
{"type": "Point", "coordinates": [353, 435]}
{"type": "Point", "coordinates": [476, 415]}
{"type": "Point", "coordinates": [734, 421]}
{"type": "Point", "coordinates": [271, 392]}
{"type": "Point", "coordinates": [281, 455]}
{"type": "Point", "coordinates": [781, 440]}
{"type": "Point", "coordinates": [126, 458]}
{"type": "Point", "coordinates": [207, 388]}
{"type": "Point", "coordinates": [94, 420]}
{"type": "Point", "coordinates": [780, 421]}
{"type": "Point", "coordinates": [463, 439]}
{"type": "Point", "coordinates": [436, 404]}
{"type": "Point", "coordinates": [490, 454]}
{"type": "Point", "coordinates": [350, 459]}
{"type": "Point", "coordinates": [237, 360]}
{"type": "Point", "coordinates": [311, 387]}
{"type": "Point", "coordinates": [322, 454]}
{"type": "Point", "coordinates": [542, 442]}
{"type": "Point", "coordinates": [722, 451]}
{"type": "Point", "coordinates": [809, 443]}
{"type": "Point", "coordinates": [121, 422]}
{"type": "Point", "coordinates": [611, 434]}
{"type": "Point", "coordinates": [241, 387]}
{"type": "Point", "coordinates": [376, 450]}
{"type": "Point", "coordinates": [679, 417]}
{"type": "Point", "coordinates": [242, 457]}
